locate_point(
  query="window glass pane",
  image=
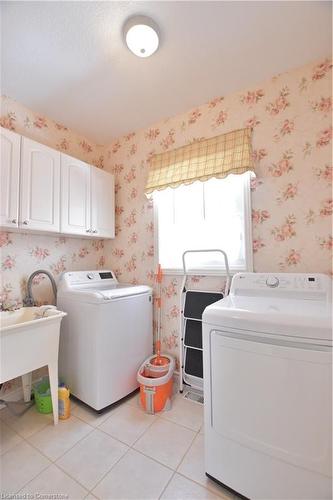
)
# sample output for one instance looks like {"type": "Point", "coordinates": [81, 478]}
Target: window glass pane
{"type": "Point", "coordinates": [207, 215]}
{"type": "Point", "coordinates": [224, 207]}
{"type": "Point", "coordinates": [189, 204]}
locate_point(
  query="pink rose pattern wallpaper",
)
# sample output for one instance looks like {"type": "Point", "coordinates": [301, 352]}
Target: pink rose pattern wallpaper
{"type": "Point", "coordinates": [24, 253]}
{"type": "Point", "coordinates": [22, 120]}
{"type": "Point", "coordinates": [291, 196]}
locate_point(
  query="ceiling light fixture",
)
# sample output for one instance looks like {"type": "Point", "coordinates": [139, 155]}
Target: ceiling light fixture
{"type": "Point", "coordinates": [141, 36]}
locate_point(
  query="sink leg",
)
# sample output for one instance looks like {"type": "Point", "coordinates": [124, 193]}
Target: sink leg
{"type": "Point", "coordinates": [53, 375]}
{"type": "Point", "coordinates": [26, 386]}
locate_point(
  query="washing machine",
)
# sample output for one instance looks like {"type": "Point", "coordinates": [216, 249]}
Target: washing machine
{"type": "Point", "coordinates": [267, 351]}
{"type": "Point", "coordinates": [106, 336]}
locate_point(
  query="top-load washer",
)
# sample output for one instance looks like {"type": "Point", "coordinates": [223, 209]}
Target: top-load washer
{"type": "Point", "coordinates": [268, 386]}
{"type": "Point", "coordinates": [106, 336]}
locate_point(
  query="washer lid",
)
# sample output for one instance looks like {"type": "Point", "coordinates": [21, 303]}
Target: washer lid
{"type": "Point", "coordinates": [310, 319]}
{"type": "Point", "coordinates": [103, 294]}
{"type": "Point", "coordinates": [121, 291]}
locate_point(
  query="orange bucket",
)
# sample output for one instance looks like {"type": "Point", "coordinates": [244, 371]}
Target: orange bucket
{"type": "Point", "coordinates": [156, 387]}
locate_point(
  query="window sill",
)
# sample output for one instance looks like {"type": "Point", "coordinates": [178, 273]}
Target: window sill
{"type": "Point", "coordinates": [203, 272]}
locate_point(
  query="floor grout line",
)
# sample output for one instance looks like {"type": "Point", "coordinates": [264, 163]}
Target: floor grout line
{"type": "Point", "coordinates": [98, 482]}
{"type": "Point", "coordinates": [187, 450]}
{"type": "Point", "coordinates": [165, 487]}
{"type": "Point", "coordinates": [32, 446]}
{"type": "Point", "coordinates": [50, 465]}
{"type": "Point", "coordinates": [189, 478]}
{"type": "Point", "coordinates": [153, 459]}
{"type": "Point", "coordinates": [21, 435]}
{"type": "Point", "coordinates": [120, 458]}
{"type": "Point", "coordinates": [44, 456]}
{"type": "Point", "coordinates": [141, 453]}
{"type": "Point", "coordinates": [218, 494]}
{"type": "Point", "coordinates": [60, 456]}
{"type": "Point", "coordinates": [129, 447]}
{"type": "Point", "coordinates": [25, 484]}
{"type": "Point", "coordinates": [123, 442]}
{"type": "Point", "coordinates": [180, 425]}
{"type": "Point", "coordinates": [51, 462]}
{"type": "Point", "coordinates": [54, 462]}
{"type": "Point", "coordinates": [174, 471]}
{"type": "Point", "coordinates": [71, 477]}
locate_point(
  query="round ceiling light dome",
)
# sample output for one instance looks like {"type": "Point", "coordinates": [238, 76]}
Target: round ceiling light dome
{"type": "Point", "coordinates": [141, 36]}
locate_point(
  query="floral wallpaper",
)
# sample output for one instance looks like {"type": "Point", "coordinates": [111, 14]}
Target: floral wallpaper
{"type": "Point", "coordinates": [24, 253]}
{"type": "Point", "coordinates": [22, 120]}
{"type": "Point", "coordinates": [291, 197]}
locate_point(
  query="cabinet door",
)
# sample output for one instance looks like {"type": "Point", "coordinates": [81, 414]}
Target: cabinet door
{"type": "Point", "coordinates": [40, 187]}
{"type": "Point", "coordinates": [10, 178]}
{"type": "Point", "coordinates": [102, 203]}
{"type": "Point", "coordinates": [75, 196]}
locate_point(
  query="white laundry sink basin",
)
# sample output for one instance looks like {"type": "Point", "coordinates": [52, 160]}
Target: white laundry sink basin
{"type": "Point", "coordinates": [29, 339]}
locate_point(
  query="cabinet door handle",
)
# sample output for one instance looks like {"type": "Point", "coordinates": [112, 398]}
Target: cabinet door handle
{"type": "Point", "coordinates": [13, 221]}
{"type": "Point", "coordinates": [25, 222]}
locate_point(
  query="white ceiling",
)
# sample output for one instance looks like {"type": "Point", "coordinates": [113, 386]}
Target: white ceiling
{"type": "Point", "coordinates": [68, 61]}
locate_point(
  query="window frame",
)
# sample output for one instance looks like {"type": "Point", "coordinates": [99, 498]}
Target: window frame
{"type": "Point", "coordinates": [248, 267]}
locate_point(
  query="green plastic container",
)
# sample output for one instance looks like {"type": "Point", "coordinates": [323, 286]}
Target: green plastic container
{"type": "Point", "coordinates": [42, 395]}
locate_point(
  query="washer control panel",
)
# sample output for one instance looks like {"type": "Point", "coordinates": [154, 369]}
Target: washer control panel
{"type": "Point", "coordinates": [89, 277]}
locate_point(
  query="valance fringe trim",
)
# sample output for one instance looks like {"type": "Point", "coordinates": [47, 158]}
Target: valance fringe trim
{"type": "Point", "coordinates": [202, 179]}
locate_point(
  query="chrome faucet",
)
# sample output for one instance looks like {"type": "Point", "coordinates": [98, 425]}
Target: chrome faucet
{"type": "Point", "coordinates": [29, 300]}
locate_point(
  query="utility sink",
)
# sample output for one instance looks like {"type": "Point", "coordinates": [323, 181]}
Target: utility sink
{"type": "Point", "coordinates": [29, 339]}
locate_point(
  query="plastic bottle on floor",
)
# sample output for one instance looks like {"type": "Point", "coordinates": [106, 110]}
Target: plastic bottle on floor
{"type": "Point", "coordinates": [64, 404]}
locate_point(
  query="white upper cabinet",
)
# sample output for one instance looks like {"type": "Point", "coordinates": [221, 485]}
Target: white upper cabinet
{"type": "Point", "coordinates": [87, 199]}
{"type": "Point", "coordinates": [10, 178]}
{"type": "Point", "coordinates": [75, 196]}
{"type": "Point", "coordinates": [102, 203]}
{"type": "Point", "coordinates": [43, 190]}
{"type": "Point", "coordinates": [40, 187]}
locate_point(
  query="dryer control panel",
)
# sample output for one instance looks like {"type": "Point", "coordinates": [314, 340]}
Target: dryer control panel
{"type": "Point", "coordinates": [281, 284]}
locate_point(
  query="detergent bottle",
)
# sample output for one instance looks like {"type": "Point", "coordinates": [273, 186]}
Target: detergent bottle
{"type": "Point", "coordinates": [64, 404]}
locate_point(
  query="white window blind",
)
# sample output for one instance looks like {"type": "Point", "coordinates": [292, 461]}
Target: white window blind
{"type": "Point", "coordinates": [204, 215]}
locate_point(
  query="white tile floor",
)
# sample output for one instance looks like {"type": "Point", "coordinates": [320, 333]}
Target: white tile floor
{"type": "Point", "coordinates": [121, 454]}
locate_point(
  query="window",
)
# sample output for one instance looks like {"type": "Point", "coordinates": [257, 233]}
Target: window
{"type": "Point", "coordinates": [205, 215]}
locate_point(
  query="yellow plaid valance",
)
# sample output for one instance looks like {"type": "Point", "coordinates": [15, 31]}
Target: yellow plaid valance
{"type": "Point", "coordinates": [215, 157]}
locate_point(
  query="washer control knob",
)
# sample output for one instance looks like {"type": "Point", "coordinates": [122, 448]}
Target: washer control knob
{"type": "Point", "coordinates": [272, 281]}
{"type": "Point", "coordinates": [90, 276]}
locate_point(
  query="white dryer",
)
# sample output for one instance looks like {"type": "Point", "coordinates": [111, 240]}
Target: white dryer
{"type": "Point", "coordinates": [268, 387]}
{"type": "Point", "coordinates": [106, 336]}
